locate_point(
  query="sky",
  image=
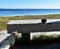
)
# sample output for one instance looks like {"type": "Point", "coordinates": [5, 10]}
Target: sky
{"type": "Point", "coordinates": [30, 4]}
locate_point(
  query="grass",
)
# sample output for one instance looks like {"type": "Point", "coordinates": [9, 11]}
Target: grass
{"type": "Point", "coordinates": [41, 40]}
{"type": "Point", "coordinates": [4, 20]}
{"type": "Point", "coordinates": [41, 37]}
{"type": "Point", "coordinates": [44, 37]}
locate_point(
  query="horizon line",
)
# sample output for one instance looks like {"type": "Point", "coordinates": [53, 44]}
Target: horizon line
{"type": "Point", "coordinates": [29, 8]}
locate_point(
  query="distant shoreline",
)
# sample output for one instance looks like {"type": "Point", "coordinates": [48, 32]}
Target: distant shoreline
{"type": "Point", "coordinates": [24, 12]}
{"type": "Point", "coordinates": [29, 15]}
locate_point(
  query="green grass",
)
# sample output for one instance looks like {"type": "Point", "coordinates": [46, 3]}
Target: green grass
{"type": "Point", "coordinates": [4, 20]}
{"type": "Point", "coordinates": [41, 37]}
{"type": "Point", "coordinates": [44, 37]}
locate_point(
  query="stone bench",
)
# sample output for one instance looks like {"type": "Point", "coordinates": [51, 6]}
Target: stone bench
{"type": "Point", "coordinates": [25, 27]}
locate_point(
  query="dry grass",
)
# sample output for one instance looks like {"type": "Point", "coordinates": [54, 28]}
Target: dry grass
{"type": "Point", "coordinates": [4, 20]}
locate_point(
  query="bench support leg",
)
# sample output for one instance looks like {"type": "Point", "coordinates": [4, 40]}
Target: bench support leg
{"type": "Point", "coordinates": [26, 36]}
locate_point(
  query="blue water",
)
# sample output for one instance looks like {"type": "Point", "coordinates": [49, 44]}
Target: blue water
{"type": "Point", "coordinates": [18, 12]}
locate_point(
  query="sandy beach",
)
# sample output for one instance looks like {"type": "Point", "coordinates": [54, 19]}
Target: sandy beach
{"type": "Point", "coordinates": [3, 42]}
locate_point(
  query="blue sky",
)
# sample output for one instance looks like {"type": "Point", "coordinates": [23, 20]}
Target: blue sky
{"type": "Point", "coordinates": [28, 4]}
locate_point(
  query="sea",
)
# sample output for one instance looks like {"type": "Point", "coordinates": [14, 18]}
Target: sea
{"type": "Point", "coordinates": [22, 12]}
